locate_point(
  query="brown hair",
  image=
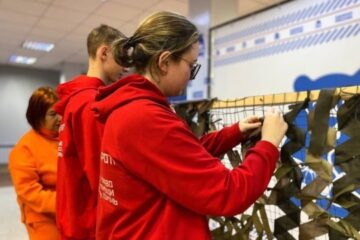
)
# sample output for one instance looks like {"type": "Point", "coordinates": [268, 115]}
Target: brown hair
{"type": "Point", "coordinates": [103, 34]}
{"type": "Point", "coordinates": [40, 101]}
{"type": "Point", "coordinates": [162, 31]}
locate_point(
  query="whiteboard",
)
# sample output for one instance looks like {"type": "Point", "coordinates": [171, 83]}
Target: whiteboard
{"type": "Point", "coordinates": [296, 46]}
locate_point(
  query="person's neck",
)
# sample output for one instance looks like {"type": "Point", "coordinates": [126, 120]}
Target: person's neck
{"type": "Point", "coordinates": [156, 82]}
{"type": "Point", "coordinates": [49, 134]}
{"type": "Point", "coordinates": [95, 71]}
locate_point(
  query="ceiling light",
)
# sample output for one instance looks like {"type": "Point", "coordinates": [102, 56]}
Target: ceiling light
{"type": "Point", "coordinates": [38, 46]}
{"type": "Point", "coordinates": [22, 59]}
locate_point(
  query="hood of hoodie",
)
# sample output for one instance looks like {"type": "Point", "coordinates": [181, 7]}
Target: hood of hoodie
{"type": "Point", "coordinates": [66, 90]}
{"type": "Point", "coordinates": [130, 88]}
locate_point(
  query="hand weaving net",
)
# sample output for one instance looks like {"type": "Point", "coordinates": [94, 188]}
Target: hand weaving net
{"type": "Point", "coordinates": [315, 190]}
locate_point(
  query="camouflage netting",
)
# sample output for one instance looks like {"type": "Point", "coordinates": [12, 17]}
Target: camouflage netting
{"type": "Point", "coordinates": [315, 190]}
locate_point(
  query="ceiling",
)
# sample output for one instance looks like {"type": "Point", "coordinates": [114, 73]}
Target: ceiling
{"type": "Point", "coordinates": [66, 23]}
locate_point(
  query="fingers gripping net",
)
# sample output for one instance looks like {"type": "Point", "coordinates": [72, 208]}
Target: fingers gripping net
{"type": "Point", "coordinates": [314, 193]}
{"type": "Point", "coordinates": [259, 220]}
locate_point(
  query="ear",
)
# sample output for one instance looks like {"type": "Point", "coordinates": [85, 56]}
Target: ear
{"type": "Point", "coordinates": [163, 61]}
{"type": "Point", "coordinates": [103, 52]}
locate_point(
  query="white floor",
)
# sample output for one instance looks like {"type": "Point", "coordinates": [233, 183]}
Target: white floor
{"type": "Point", "coordinates": [11, 227]}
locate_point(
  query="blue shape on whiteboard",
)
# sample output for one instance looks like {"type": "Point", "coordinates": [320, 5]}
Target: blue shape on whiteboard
{"type": "Point", "coordinates": [304, 83]}
{"type": "Point", "coordinates": [244, 44]}
{"type": "Point", "coordinates": [277, 35]}
{"type": "Point", "coordinates": [230, 49]}
{"type": "Point", "coordinates": [297, 30]}
{"type": "Point", "coordinates": [344, 16]}
{"type": "Point", "coordinates": [206, 80]}
{"type": "Point", "coordinates": [318, 24]}
{"type": "Point", "coordinates": [198, 94]}
{"type": "Point", "coordinates": [260, 40]}
{"type": "Point", "coordinates": [202, 46]}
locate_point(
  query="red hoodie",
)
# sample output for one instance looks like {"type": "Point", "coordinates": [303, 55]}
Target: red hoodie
{"type": "Point", "coordinates": [78, 163]}
{"type": "Point", "coordinates": [157, 180]}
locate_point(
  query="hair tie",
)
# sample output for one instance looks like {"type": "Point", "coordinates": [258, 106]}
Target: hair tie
{"type": "Point", "coordinates": [130, 42]}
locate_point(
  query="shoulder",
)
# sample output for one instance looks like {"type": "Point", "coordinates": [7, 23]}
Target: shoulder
{"type": "Point", "coordinates": [147, 110]}
{"type": "Point", "coordinates": [81, 101]}
{"type": "Point", "coordinates": [84, 96]}
{"type": "Point", "coordinates": [33, 139]}
{"type": "Point", "coordinates": [23, 146]}
{"type": "Point", "coordinates": [28, 138]}
{"type": "Point", "coordinates": [144, 116]}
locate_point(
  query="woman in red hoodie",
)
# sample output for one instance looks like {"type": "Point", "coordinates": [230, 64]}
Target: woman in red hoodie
{"type": "Point", "coordinates": [157, 180]}
{"type": "Point", "coordinates": [32, 165]}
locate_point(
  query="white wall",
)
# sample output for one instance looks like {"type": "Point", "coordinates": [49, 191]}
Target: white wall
{"type": "Point", "coordinates": [16, 86]}
{"type": "Point", "coordinates": [297, 46]}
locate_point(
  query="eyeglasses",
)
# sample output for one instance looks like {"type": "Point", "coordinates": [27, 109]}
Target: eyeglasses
{"type": "Point", "coordinates": [194, 68]}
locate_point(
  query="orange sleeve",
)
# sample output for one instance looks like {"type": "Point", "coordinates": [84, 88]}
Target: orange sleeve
{"type": "Point", "coordinates": [26, 180]}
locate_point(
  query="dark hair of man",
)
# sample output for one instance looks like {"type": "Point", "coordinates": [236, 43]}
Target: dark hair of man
{"type": "Point", "coordinates": [103, 34]}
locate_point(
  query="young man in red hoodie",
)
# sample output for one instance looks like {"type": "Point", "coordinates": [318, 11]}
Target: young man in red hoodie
{"type": "Point", "coordinates": [80, 138]}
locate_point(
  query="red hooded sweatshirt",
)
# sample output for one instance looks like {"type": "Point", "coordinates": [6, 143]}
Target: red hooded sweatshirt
{"type": "Point", "coordinates": [158, 180]}
{"type": "Point", "coordinates": [79, 159]}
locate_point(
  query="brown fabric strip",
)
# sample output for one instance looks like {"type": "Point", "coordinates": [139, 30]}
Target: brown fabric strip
{"type": "Point", "coordinates": [313, 229]}
{"type": "Point", "coordinates": [349, 111]}
{"type": "Point", "coordinates": [321, 118]}
{"type": "Point", "coordinates": [313, 189]}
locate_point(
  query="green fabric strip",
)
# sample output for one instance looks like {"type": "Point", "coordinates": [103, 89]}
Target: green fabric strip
{"type": "Point", "coordinates": [321, 118]}
{"type": "Point", "coordinates": [313, 229]}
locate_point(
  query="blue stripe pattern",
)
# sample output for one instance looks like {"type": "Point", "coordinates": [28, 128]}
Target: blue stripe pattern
{"type": "Point", "coordinates": [300, 15]}
{"type": "Point", "coordinates": [343, 17]}
{"type": "Point", "coordinates": [295, 44]}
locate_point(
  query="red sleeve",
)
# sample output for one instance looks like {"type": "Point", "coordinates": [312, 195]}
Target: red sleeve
{"type": "Point", "coordinates": [219, 142]}
{"type": "Point", "coordinates": [167, 155]}
{"type": "Point", "coordinates": [88, 134]}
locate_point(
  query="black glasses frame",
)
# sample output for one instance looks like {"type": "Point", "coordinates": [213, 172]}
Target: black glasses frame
{"type": "Point", "coordinates": [194, 68]}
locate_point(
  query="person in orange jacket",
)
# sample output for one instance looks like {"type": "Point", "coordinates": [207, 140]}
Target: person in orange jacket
{"type": "Point", "coordinates": [33, 163]}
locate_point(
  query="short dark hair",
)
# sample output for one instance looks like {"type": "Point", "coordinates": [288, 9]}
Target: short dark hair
{"type": "Point", "coordinates": [102, 34]}
{"type": "Point", "coordinates": [40, 101]}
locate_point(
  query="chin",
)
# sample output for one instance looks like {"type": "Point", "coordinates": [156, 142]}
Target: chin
{"type": "Point", "coordinates": [175, 94]}
{"type": "Point", "coordinates": [111, 81]}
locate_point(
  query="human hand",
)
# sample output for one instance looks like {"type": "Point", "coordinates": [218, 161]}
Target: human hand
{"type": "Point", "coordinates": [249, 124]}
{"type": "Point", "coordinates": [274, 127]}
